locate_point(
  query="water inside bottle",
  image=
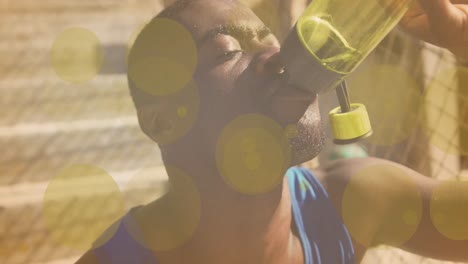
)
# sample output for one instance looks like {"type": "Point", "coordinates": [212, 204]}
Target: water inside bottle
{"type": "Point", "coordinates": [327, 44]}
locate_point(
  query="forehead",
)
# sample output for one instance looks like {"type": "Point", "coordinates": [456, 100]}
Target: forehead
{"type": "Point", "coordinates": [202, 15]}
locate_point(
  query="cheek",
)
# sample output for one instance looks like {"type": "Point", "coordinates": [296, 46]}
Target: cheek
{"type": "Point", "coordinates": [290, 112]}
{"type": "Point", "coordinates": [312, 115]}
{"type": "Point", "coordinates": [225, 91]}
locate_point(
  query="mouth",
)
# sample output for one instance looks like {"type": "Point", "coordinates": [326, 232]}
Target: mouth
{"type": "Point", "coordinates": [287, 103]}
{"type": "Point", "coordinates": [287, 91]}
{"type": "Point", "coordinates": [294, 93]}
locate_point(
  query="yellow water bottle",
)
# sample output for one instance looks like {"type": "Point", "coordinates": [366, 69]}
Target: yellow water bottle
{"type": "Point", "coordinates": [330, 39]}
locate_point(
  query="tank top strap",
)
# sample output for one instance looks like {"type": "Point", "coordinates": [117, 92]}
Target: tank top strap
{"type": "Point", "coordinates": [119, 244]}
{"type": "Point", "coordinates": [324, 237]}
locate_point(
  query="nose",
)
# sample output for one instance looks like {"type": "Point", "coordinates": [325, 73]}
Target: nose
{"type": "Point", "coordinates": [269, 62]}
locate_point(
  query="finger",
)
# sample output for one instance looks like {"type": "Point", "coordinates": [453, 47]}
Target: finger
{"type": "Point", "coordinates": [414, 10]}
{"type": "Point", "coordinates": [432, 6]}
{"type": "Point", "coordinates": [418, 26]}
{"type": "Point", "coordinates": [438, 9]}
{"type": "Point", "coordinates": [445, 18]}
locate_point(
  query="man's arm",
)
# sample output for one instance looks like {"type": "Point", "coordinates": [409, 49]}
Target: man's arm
{"type": "Point", "coordinates": [382, 202]}
{"type": "Point", "coordinates": [442, 231]}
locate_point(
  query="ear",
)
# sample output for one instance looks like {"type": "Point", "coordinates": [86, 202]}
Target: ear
{"type": "Point", "coordinates": [154, 121]}
{"type": "Point", "coordinates": [166, 119]}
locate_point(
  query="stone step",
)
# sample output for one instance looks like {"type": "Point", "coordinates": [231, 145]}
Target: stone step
{"type": "Point", "coordinates": [24, 237]}
{"type": "Point", "coordinates": [49, 111]}
{"type": "Point", "coordinates": [38, 157]}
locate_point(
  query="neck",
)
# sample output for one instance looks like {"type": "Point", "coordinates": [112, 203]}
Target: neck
{"type": "Point", "coordinates": [234, 227]}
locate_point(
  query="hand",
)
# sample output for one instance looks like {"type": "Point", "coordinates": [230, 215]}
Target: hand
{"type": "Point", "coordinates": [441, 22]}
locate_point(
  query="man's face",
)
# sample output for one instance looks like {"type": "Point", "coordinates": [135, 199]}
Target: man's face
{"type": "Point", "coordinates": [238, 72]}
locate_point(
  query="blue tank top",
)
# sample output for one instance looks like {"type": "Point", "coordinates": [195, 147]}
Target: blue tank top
{"type": "Point", "coordinates": [323, 236]}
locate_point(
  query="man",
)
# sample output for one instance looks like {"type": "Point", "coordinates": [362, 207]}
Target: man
{"type": "Point", "coordinates": [210, 88]}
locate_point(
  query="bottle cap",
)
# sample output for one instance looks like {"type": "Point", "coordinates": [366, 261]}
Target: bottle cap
{"type": "Point", "coordinates": [352, 126]}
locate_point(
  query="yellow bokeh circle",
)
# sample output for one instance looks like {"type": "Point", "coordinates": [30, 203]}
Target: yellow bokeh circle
{"type": "Point", "coordinates": [267, 11]}
{"type": "Point", "coordinates": [255, 33]}
{"type": "Point", "coordinates": [291, 131]}
{"type": "Point", "coordinates": [446, 107]}
{"type": "Point", "coordinates": [77, 55]}
{"type": "Point", "coordinates": [169, 222]}
{"type": "Point", "coordinates": [163, 58]}
{"type": "Point", "coordinates": [252, 154]}
{"type": "Point", "coordinates": [79, 204]}
{"type": "Point", "coordinates": [392, 98]}
{"type": "Point", "coordinates": [449, 209]}
{"type": "Point", "coordinates": [388, 194]}
{"type": "Point", "coordinates": [146, 186]}
{"type": "Point", "coordinates": [182, 111]}
{"type": "Point", "coordinates": [132, 40]}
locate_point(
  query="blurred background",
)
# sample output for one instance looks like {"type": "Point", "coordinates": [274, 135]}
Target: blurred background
{"type": "Point", "coordinates": [416, 94]}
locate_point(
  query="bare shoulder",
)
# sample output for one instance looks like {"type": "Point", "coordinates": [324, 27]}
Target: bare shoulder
{"type": "Point", "coordinates": [377, 179]}
{"type": "Point", "coordinates": [335, 178]}
{"type": "Point", "coordinates": [339, 172]}
{"type": "Point", "coordinates": [374, 176]}
{"type": "Point", "coordinates": [373, 188]}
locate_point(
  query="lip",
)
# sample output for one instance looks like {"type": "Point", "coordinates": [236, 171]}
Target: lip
{"type": "Point", "coordinates": [289, 103]}
{"type": "Point", "coordinates": [279, 91]}
{"type": "Point", "coordinates": [288, 91]}
{"type": "Point", "coordinates": [292, 92]}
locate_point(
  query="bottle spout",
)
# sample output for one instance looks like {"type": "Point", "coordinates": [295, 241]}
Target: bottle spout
{"type": "Point", "coordinates": [343, 97]}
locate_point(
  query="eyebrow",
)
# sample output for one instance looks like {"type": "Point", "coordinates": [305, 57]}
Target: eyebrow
{"type": "Point", "coordinates": [237, 31]}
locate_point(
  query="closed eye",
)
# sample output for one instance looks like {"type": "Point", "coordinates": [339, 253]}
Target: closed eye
{"type": "Point", "coordinates": [229, 55]}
